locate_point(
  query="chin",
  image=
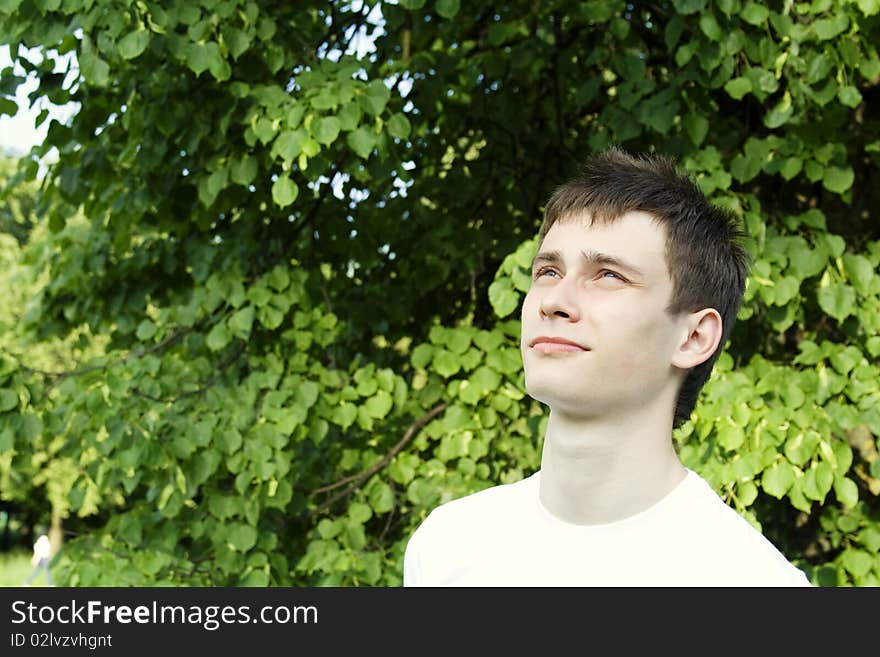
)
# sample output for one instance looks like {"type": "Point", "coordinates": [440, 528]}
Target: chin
{"type": "Point", "coordinates": [557, 395]}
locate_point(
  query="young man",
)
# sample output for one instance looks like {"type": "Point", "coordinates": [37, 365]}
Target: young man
{"type": "Point", "coordinates": [635, 288]}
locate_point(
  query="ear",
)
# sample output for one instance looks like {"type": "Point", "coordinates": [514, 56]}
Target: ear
{"type": "Point", "coordinates": [700, 338]}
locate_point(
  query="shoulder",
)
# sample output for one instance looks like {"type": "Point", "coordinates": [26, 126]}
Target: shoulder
{"type": "Point", "coordinates": [733, 541]}
{"type": "Point", "coordinates": [455, 531]}
{"type": "Point", "coordinates": [495, 502]}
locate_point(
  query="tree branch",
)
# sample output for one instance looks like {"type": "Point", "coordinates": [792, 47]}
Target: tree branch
{"type": "Point", "coordinates": [357, 479]}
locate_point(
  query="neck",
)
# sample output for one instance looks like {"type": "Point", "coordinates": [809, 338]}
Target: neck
{"type": "Point", "coordinates": [596, 471]}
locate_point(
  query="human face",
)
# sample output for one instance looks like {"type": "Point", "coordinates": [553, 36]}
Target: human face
{"type": "Point", "coordinates": [604, 287]}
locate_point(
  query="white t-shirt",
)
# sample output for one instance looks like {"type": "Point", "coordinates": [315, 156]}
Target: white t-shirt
{"type": "Point", "coordinates": [42, 548]}
{"type": "Point", "coordinates": [504, 536]}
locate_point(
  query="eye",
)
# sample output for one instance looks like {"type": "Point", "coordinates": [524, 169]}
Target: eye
{"type": "Point", "coordinates": [544, 270]}
{"type": "Point", "coordinates": [604, 272]}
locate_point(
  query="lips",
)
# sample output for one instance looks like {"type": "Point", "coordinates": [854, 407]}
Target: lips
{"type": "Point", "coordinates": [552, 343]}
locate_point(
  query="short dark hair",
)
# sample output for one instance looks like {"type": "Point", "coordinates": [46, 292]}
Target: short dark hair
{"type": "Point", "coordinates": [706, 260]}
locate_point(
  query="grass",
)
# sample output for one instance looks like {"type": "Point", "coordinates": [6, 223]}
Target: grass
{"type": "Point", "coordinates": [15, 567]}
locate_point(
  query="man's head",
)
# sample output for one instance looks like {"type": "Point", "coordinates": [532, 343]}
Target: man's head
{"type": "Point", "coordinates": [660, 321]}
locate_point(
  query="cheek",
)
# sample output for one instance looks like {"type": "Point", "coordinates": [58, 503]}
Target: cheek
{"type": "Point", "coordinates": [529, 301]}
{"type": "Point", "coordinates": [641, 349]}
{"type": "Point", "coordinates": [529, 312]}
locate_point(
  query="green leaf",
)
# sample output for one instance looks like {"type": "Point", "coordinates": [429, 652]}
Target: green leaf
{"type": "Point", "coordinates": [781, 112]}
{"type": "Point", "coordinates": [696, 126]}
{"type": "Point", "coordinates": [685, 53]}
{"type": "Point", "coordinates": [838, 179]}
{"type": "Point", "coordinates": [146, 330]}
{"type": "Point", "coordinates": [754, 14]}
{"type": "Point", "coordinates": [860, 272]}
{"type": "Point", "coordinates": [824, 479]}
{"type": "Point", "coordinates": [344, 415]}
{"type": "Point", "coordinates": [736, 88]}
{"type": "Point", "coordinates": [325, 100]}
{"type": "Point", "coordinates": [730, 436]}
{"type": "Point", "coordinates": [218, 337]}
{"type": "Point", "coordinates": [8, 400]}
{"type": "Point", "coordinates": [806, 261]}
{"type": "Point", "coordinates": [801, 447]}
{"type": "Point", "coordinates": [229, 440]}
{"type": "Point", "coordinates": [217, 64]}
{"type": "Point", "coordinates": [846, 491]}
{"type": "Point", "coordinates": [672, 33]}
{"type": "Point", "coordinates": [458, 341]}
{"type": "Point", "coordinates": [818, 67]}
{"type": "Point", "coordinates": [690, 6]}
{"type": "Point", "coordinates": [870, 68]}
{"type": "Point", "coordinates": [244, 170]}
{"type": "Point", "coordinates": [486, 379]}
{"type": "Point", "coordinates": [828, 28]}
{"type": "Point", "coordinates": [197, 56]}
{"type": "Point", "coordinates": [236, 41]}
{"type": "Point", "coordinates": [241, 322]}
{"type": "Point", "coordinates": [379, 405]}
{"type": "Point", "coordinates": [488, 340]}
{"type": "Point", "coordinates": [361, 141]}
{"type": "Point", "coordinates": [355, 536]}
{"type": "Point", "coordinates": [421, 355]}
{"type": "Point", "coordinates": [284, 191]}
{"type": "Point", "coordinates": [307, 394]}
{"type": "Point", "coordinates": [870, 538]}
{"type": "Point", "coordinates": [778, 479]}
{"type": "Point", "coordinates": [814, 170]}
{"type": "Point", "coordinates": [329, 529]}
{"type": "Point", "coordinates": [165, 496]}
{"type": "Point", "coordinates": [792, 167]}
{"type": "Point", "coordinates": [133, 44]}
{"type": "Point", "coordinates": [401, 469]}
{"type": "Point", "coordinates": [849, 96]}
{"type": "Point", "coordinates": [446, 363]}
{"type": "Point", "coordinates": [857, 562]}
{"type": "Point", "coordinates": [359, 512]}
{"type": "Point", "coordinates": [94, 69]}
{"type": "Point", "coordinates": [381, 498]}
{"type": "Point", "coordinates": [318, 431]}
{"type": "Point", "coordinates": [398, 126]}
{"type": "Point", "coordinates": [9, 6]}
{"type": "Point", "coordinates": [834, 244]}
{"type": "Point", "coordinates": [211, 186]}
{"type": "Point", "coordinates": [8, 106]}
{"type": "Point", "coordinates": [289, 144]}
{"type": "Point", "coordinates": [500, 32]}
{"type": "Point", "coordinates": [264, 130]}
{"type": "Point", "coordinates": [709, 26]}
{"type": "Point", "coordinates": [838, 300]}
{"type": "Point", "coordinates": [448, 8]}
{"type": "Point", "coordinates": [295, 115]}
{"type": "Point", "coordinates": [502, 297]}
{"type": "Point", "coordinates": [241, 537]}
{"type": "Point", "coordinates": [270, 317]}
{"type": "Point", "coordinates": [375, 97]}
{"type": "Point", "coordinates": [327, 130]}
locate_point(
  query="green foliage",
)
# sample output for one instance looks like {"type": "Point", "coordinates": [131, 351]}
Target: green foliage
{"type": "Point", "coordinates": [267, 319]}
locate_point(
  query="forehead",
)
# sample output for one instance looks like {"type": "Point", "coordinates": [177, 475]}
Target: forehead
{"type": "Point", "coordinates": [635, 237]}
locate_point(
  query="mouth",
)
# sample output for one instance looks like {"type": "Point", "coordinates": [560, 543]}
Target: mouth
{"type": "Point", "coordinates": [556, 345]}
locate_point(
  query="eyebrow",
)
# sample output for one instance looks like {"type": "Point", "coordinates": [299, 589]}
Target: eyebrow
{"type": "Point", "coordinates": [591, 257]}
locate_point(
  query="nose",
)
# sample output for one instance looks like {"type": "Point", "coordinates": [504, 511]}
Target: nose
{"type": "Point", "coordinates": [560, 301]}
